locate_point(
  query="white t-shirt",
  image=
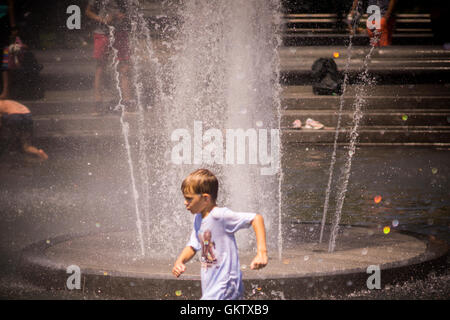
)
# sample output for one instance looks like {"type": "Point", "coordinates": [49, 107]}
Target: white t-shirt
{"type": "Point", "coordinates": [214, 236]}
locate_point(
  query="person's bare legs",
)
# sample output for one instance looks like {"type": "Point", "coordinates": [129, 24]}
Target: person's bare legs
{"type": "Point", "coordinates": [5, 79]}
{"type": "Point", "coordinates": [98, 83]}
{"type": "Point", "coordinates": [124, 68]}
{"type": "Point", "coordinates": [27, 148]}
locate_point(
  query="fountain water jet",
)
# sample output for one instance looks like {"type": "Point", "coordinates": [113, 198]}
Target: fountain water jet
{"type": "Point", "coordinates": [345, 175]}
{"type": "Point", "coordinates": [223, 70]}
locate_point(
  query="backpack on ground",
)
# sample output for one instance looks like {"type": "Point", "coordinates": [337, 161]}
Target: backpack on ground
{"type": "Point", "coordinates": [326, 78]}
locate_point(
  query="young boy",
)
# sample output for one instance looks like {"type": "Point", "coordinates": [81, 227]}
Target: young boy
{"type": "Point", "coordinates": [213, 234]}
{"type": "Point", "coordinates": [16, 118]}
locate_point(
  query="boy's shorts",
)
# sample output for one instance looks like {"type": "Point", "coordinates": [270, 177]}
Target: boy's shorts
{"type": "Point", "coordinates": [20, 125]}
{"type": "Point", "coordinates": [102, 47]}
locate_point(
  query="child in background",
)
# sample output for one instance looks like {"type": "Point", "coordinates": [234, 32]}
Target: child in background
{"type": "Point", "coordinates": [17, 122]}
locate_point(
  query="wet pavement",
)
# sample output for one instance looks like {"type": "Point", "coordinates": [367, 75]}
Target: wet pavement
{"type": "Point", "coordinates": [77, 192]}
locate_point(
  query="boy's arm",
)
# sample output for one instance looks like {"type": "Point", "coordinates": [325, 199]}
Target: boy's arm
{"type": "Point", "coordinates": [260, 261]}
{"type": "Point", "coordinates": [91, 14]}
{"type": "Point", "coordinates": [179, 266]}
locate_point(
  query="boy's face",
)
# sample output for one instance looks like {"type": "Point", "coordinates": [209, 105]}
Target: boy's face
{"type": "Point", "coordinates": [195, 203]}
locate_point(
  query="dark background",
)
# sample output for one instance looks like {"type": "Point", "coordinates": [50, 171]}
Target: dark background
{"type": "Point", "coordinates": [43, 23]}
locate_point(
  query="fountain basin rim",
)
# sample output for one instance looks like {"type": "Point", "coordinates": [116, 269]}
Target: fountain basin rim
{"type": "Point", "coordinates": [32, 255]}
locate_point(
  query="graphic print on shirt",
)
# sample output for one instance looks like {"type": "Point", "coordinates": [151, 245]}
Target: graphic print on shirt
{"type": "Point", "coordinates": [208, 258]}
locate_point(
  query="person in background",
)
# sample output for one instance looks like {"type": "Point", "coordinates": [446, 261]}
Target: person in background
{"type": "Point", "coordinates": [110, 13]}
{"type": "Point", "coordinates": [17, 123]}
{"type": "Point", "coordinates": [380, 37]}
{"type": "Point", "coordinates": [8, 30]}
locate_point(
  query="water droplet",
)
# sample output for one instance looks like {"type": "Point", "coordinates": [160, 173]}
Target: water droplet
{"type": "Point", "coordinates": [377, 199]}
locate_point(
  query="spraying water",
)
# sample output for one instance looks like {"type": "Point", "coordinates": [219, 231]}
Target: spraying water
{"type": "Point", "coordinates": [221, 69]}
{"type": "Point", "coordinates": [357, 115]}
{"type": "Point", "coordinates": [125, 132]}
{"type": "Point", "coordinates": [336, 135]}
{"type": "Point", "coordinates": [226, 74]}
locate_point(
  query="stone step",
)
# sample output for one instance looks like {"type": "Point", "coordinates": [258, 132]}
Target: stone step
{"type": "Point", "coordinates": [401, 104]}
{"type": "Point", "coordinates": [419, 53]}
{"type": "Point", "coordinates": [433, 117]}
{"type": "Point", "coordinates": [423, 96]}
{"type": "Point", "coordinates": [70, 69]}
{"type": "Point", "coordinates": [371, 103]}
{"type": "Point", "coordinates": [370, 120]}
{"type": "Point", "coordinates": [379, 97]}
{"type": "Point", "coordinates": [418, 137]}
{"type": "Point", "coordinates": [301, 39]}
{"type": "Point", "coordinates": [101, 125]}
{"type": "Point", "coordinates": [371, 135]}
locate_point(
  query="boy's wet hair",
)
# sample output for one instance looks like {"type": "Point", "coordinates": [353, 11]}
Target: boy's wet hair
{"type": "Point", "coordinates": [201, 181]}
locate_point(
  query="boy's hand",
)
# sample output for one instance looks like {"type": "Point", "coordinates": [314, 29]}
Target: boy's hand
{"type": "Point", "coordinates": [178, 268]}
{"type": "Point", "coordinates": [260, 261]}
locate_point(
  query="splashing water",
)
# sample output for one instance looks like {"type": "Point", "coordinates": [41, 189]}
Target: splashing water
{"type": "Point", "coordinates": [222, 69]}
{"type": "Point", "coordinates": [357, 115]}
{"type": "Point", "coordinates": [226, 74]}
{"type": "Point", "coordinates": [336, 135]}
{"type": "Point", "coordinates": [125, 132]}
